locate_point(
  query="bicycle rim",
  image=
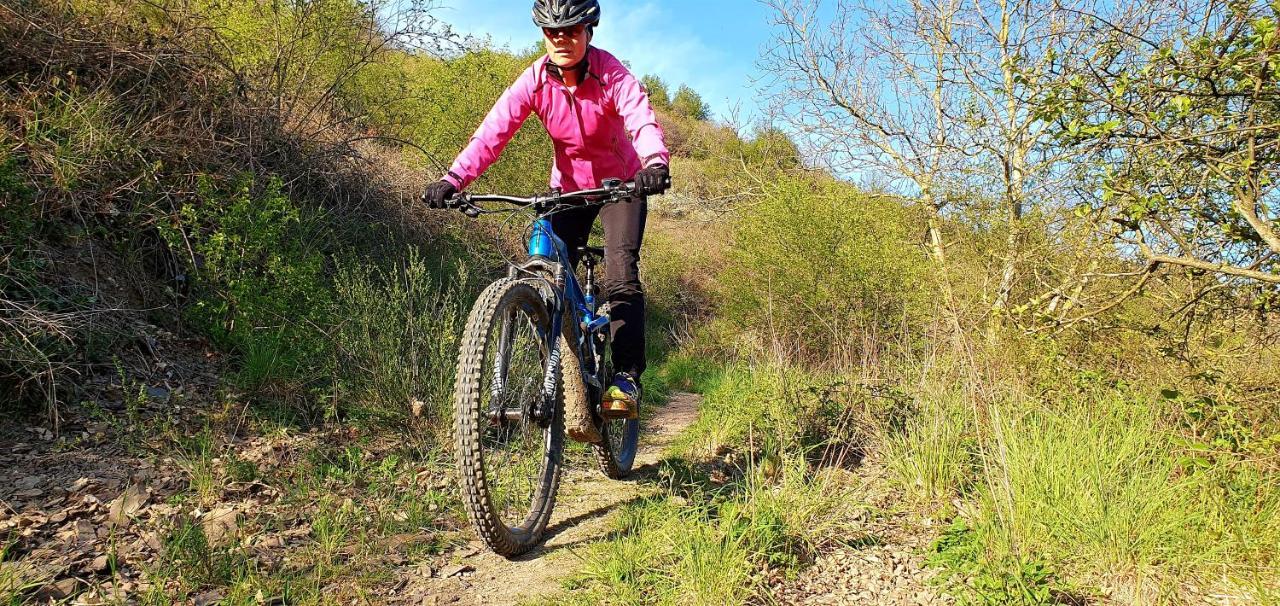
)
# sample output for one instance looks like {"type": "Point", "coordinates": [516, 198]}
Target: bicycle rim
{"type": "Point", "coordinates": [618, 452]}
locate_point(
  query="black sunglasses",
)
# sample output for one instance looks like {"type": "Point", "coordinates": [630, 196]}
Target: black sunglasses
{"type": "Point", "coordinates": [572, 30]}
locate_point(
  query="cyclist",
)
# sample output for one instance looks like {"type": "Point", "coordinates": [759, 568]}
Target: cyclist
{"type": "Point", "coordinates": [602, 125]}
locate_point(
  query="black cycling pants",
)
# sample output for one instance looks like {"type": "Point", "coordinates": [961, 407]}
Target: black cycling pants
{"type": "Point", "coordinates": [623, 233]}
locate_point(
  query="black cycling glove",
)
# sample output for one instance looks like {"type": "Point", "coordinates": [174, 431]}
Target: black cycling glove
{"type": "Point", "coordinates": [653, 180]}
{"type": "Point", "coordinates": [438, 194]}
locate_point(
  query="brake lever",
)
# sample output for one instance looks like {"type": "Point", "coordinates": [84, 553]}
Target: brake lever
{"type": "Point", "coordinates": [462, 202]}
{"type": "Point", "coordinates": [618, 190]}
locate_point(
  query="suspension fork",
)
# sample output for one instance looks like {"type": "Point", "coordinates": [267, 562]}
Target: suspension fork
{"type": "Point", "coordinates": [498, 413]}
{"type": "Point", "coordinates": [502, 361]}
{"type": "Point", "coordinates": [544, 411]}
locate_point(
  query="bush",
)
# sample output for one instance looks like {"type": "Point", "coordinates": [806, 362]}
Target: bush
{"type": "Point", "coordinates": [447, 99]}
{"type": "Point", "coordinates": [824, 273]}
{"type": "Point", "coordinates": [261, 287]}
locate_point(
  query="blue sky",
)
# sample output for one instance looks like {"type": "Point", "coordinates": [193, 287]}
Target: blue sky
{"type": "Point", "coordinates": [711, 45]}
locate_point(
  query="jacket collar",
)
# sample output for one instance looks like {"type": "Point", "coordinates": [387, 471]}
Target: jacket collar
{"type": "Point", "coordinates": [583, 68]}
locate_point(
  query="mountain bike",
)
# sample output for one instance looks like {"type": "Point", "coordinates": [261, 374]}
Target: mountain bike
{"type": "Point", "coordinates": [509, 426]}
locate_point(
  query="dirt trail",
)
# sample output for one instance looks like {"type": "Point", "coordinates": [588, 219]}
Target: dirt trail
{"type": "Point", "coordinates": [474, 576]}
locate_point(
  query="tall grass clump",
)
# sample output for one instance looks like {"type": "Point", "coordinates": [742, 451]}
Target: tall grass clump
{"type": "Point", "coordinates": [397, 342]}
{"type": "Point", "coordinates": [932, 457]}
{"type": "Point", "coordinates": [75, 134]}
{"type": "Point", "coordinates": [1097, 487]}
{"type": "Point", "coordinates": [679, 280]}
{"type": "Point", "coordinates": [1094, 486]}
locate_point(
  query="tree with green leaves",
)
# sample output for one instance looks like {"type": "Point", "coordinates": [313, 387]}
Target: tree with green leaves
{"type": "Point", "coordinates": [1181, 111]}
{"type": "Point", "coordinates": [689, 103]}
{"type": "Point", "coordinates": [659, 94]}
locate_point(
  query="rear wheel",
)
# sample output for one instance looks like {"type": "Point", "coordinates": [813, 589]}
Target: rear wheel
{"type": "Point", "coordinates": [509, 435]}
{"type": "Point", "coordinates": [616, 453]}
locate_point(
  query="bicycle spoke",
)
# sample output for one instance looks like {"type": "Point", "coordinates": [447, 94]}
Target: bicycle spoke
{"type": "Point", "coordinates": [513, 443]}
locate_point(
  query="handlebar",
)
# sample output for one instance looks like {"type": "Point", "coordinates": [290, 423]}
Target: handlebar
{"type": "Point", "coordinates": [612, 190]}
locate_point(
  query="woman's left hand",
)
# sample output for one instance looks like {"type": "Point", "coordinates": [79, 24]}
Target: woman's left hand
{"type": "Point", "coordinates": [653, 180]}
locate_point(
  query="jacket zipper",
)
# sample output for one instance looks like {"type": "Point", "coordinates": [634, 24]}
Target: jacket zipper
{"type": "Point", "coordinates": [617, 152]}
{"type": "Point", "coordinates": [577, 115]}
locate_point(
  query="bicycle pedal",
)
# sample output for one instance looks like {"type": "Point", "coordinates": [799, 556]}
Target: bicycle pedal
{"type": "Point", "coordinates": [618, 410]}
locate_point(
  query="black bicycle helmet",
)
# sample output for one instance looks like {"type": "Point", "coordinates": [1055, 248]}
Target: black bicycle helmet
{"type": "Point", "coordinates": [554, 14]}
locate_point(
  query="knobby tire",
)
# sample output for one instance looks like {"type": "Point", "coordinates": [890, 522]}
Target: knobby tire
{"type": "Point", "coordinates": [484, 327]}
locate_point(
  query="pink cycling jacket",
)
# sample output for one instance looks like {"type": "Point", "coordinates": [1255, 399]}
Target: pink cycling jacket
{"type": "Point", "coordinates": [603, 129]}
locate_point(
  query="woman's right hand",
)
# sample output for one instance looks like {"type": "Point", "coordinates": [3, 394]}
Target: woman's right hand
{"type": "Point", "coordinates": [438, 194]}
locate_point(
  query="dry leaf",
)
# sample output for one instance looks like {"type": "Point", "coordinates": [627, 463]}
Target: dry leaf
{"type": "Point", "coordinates": [58, 591]}
{"type": "Point", "coordinates": [220, 526]}
{"type": "Point", "coordinates": [126, 505]}
{"type": "Point", "coordinates": [99, 564]}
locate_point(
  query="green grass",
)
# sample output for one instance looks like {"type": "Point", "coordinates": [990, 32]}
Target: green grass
{"type": "Point", "coordinates": [736, 496]}
{"type": "Point", "coordinates": [1098, 487]}
{"type": "Point", "coordinates": [195, 455]}
{"type": "Point", "coordinates": [334, 524]}
{"type": "Point", "coordinates": [698, 542]}
{"type": "Point", "coordinates": [932, 459]}
{"type": "Point", "coordinates": [398, 342]}
{"type": "Point", "coordinates": [16, 578]}
{"type": "Point", "coordinates": [74, 134]}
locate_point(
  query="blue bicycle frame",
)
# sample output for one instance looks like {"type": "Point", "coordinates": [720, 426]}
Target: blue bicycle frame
{"type": "Point", "coordinates": [544, 244]}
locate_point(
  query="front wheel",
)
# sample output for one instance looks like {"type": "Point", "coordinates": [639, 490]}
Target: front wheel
{"type": "Point", "coordinates": [509, 434]}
